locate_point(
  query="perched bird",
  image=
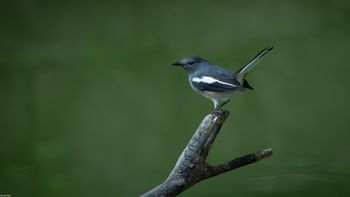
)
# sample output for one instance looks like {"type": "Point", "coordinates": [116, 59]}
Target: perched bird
{"type": "Point", "coordinates": [214, 82]}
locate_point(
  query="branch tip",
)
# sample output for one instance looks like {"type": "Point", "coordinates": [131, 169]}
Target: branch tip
{"type": "Point", "coordinates": [263, 154]}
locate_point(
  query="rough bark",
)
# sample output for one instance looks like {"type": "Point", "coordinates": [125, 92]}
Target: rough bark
{"type": "Point", "coordinates": [191, 167]}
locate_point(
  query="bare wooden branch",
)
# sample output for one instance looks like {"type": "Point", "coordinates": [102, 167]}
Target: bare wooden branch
{"type": "Point", "coordinates": [191, 167]}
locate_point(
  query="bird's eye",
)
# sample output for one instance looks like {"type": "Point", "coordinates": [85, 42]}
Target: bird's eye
{"type": "Point", "coordinates": [190, 63]}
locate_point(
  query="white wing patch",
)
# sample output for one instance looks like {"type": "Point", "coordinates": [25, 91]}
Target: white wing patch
{"type": "Point", "coordinates": [210, 80]}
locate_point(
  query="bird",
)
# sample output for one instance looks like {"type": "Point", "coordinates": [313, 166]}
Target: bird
{"type": "Point", "coordinates": [215, 82]}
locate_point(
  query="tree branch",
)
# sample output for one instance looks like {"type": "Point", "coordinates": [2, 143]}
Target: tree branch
{"type": "Point", "coordinates": [191, 167]}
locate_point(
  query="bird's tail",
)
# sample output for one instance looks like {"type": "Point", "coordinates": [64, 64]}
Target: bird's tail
{"type": "Point", "coordinates": [240, 73]}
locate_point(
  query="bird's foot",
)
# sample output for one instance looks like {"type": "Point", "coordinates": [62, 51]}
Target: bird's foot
{"type": "Point", "coordinates": [216, 109]}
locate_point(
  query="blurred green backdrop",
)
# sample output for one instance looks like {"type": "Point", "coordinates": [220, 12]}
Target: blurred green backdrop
{"type": "Point", "coordinates": [90, 105]}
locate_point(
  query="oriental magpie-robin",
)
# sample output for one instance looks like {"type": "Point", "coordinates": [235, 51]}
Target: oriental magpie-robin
{"type": "Point", "coordinates": [214, 82]}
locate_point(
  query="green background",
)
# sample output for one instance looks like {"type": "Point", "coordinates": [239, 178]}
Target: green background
{"type": "Point", "coordinates": [90, 106]}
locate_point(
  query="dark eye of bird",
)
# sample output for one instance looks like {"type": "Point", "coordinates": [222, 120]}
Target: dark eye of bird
{"type": "Point", "coordinates": [190, 63]}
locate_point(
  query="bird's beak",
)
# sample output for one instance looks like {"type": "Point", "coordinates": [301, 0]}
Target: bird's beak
{"type": "Point", "coordinates": [177, 64]}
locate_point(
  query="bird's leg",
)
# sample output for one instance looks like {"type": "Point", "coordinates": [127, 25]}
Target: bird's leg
{"type": "Point", "coordinates": [216, 105]}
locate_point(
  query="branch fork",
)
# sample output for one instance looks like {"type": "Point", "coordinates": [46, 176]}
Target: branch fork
{"type": "Point", "coordinates": [191, 167]}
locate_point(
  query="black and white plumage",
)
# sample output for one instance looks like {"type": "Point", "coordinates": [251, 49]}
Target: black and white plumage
{"type": "Point", "coordinates": [214, 82]}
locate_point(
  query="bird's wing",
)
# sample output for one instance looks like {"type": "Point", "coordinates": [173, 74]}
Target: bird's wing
{"type": "Point", "coordinates": [214, 84]}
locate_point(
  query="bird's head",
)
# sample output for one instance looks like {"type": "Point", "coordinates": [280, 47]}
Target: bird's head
{"type": "Point", "coordinates": [190, 63]}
